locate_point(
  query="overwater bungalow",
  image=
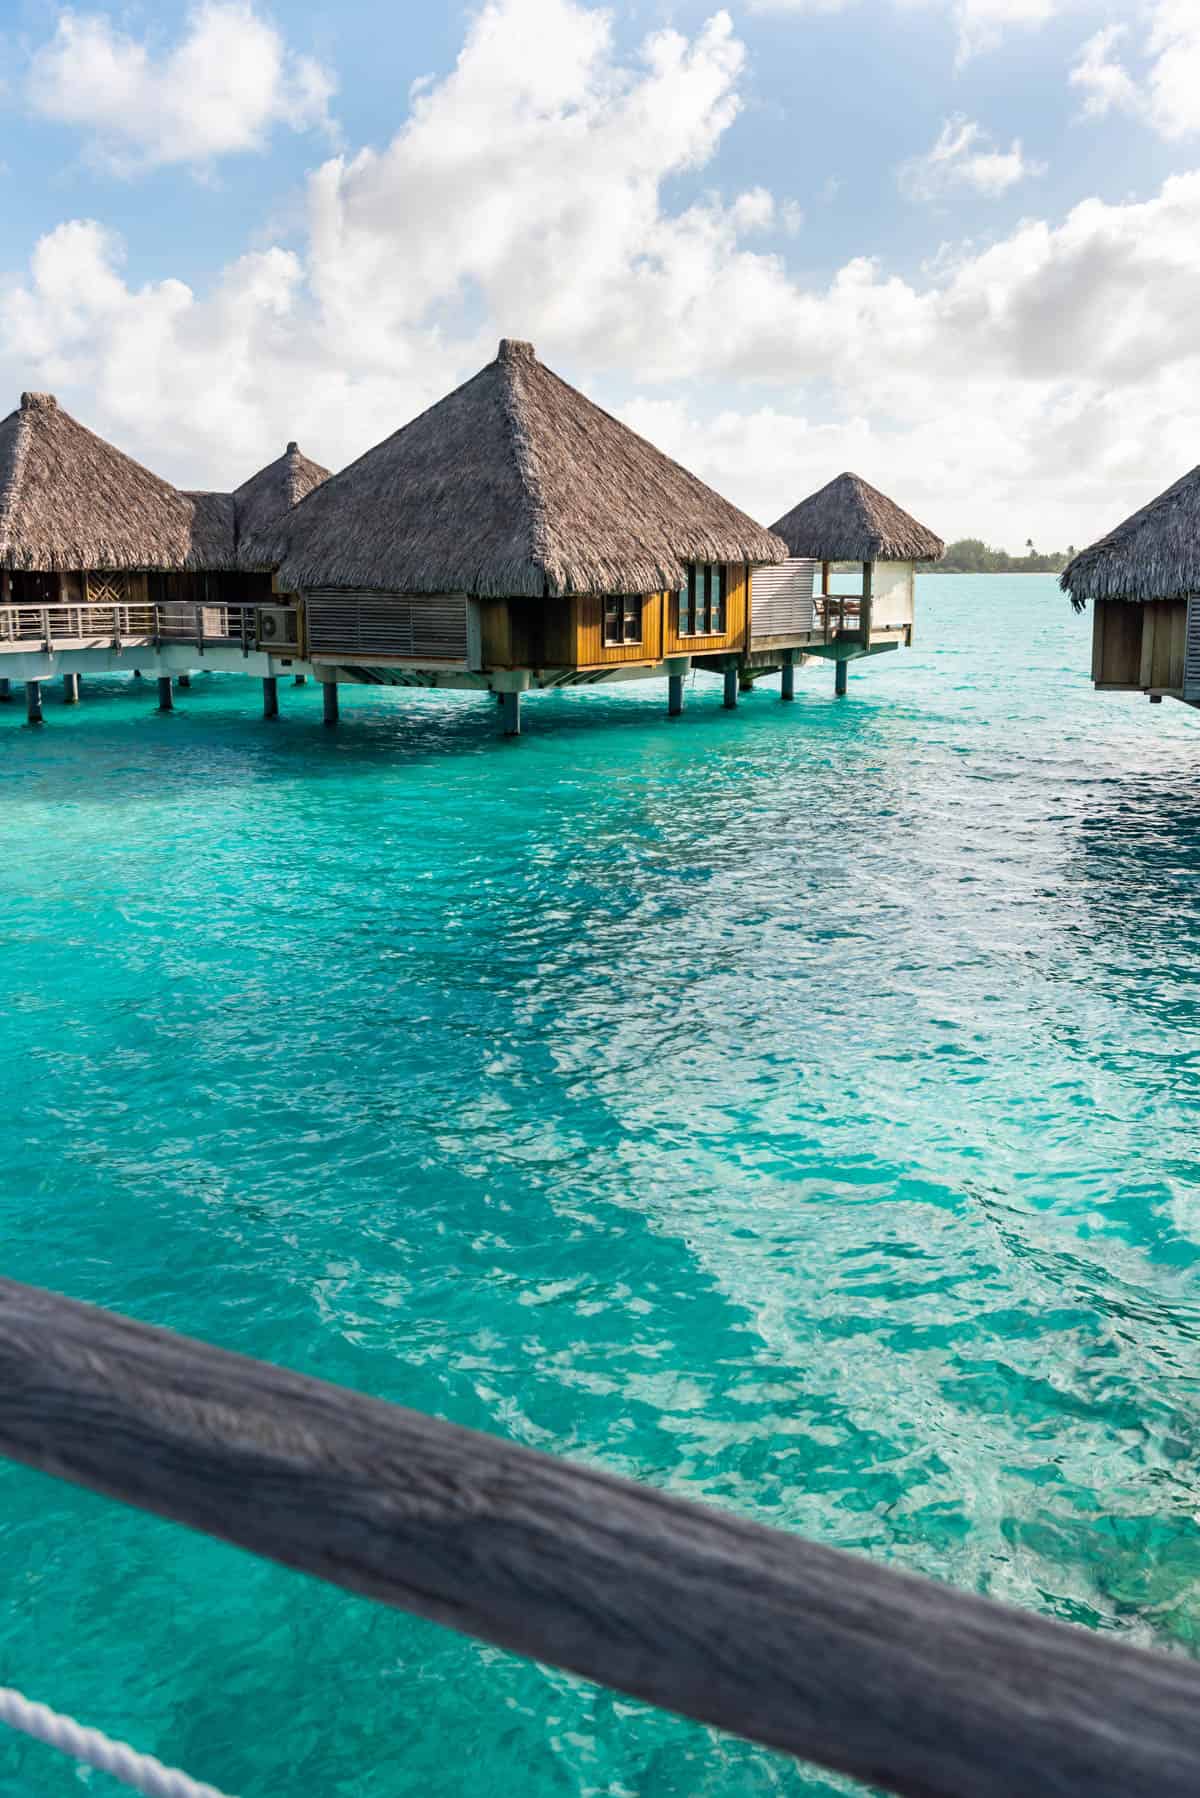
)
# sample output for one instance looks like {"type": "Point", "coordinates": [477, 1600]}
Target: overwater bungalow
{"type": "Point", "coordinates": [100, 558]}
{"type": "Point", "coordinates": [513, 537]}
{"type": "Point", "coordinates": [848, 520]}
{"type": "Point", "coordinates": [1143, 580]}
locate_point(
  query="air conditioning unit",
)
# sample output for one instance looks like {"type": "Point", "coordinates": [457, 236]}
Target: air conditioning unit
{"type": "Point", "coordinates": [277, 629]}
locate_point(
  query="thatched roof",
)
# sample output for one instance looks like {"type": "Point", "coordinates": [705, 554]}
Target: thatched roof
{"type": "Point", "coordinates": [513, 484]}
{"type": "Point", "coordinates": [1153, 555]}
{"type": "Point", "coordinates": [851, 521]}
{"type": "Point", "coordinates": [264, 499]}
{"type": "Point", "coordinates": [70, 500]}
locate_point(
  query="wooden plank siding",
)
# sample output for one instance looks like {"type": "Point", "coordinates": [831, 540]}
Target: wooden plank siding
{"type": "Point", "coordinates": [737, 616]}
{"type": "Point", "coordinates": [1117, 644]}
{"type": "Point", "coordinates": [1164, 645]}
{"type": "Point", "coordinates": [569, 633]}
{"type": "Point", "coordinates": [591, 651]}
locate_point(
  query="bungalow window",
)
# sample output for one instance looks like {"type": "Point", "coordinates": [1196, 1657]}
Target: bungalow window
{"type": "Point", "coordinates": [702, 601]}
{"type": "Point", "coordinates": [622, 619]}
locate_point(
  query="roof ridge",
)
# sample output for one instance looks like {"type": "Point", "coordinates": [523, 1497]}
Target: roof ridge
{"type": "Point", "coordinates": [513, 358]}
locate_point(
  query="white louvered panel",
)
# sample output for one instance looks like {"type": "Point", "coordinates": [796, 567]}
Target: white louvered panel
{"type": "Point", "coordinates": [419, 627]}
{"type": "Point", "coordinates": [1191, 653]}
{"type": "Point", "coordinates": [781, 598]}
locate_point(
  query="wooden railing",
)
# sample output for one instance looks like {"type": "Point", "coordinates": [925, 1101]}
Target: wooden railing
{"type": "Point", "coordinates": [114, 626]}
{"type": "Point", "coordinates": [838, 614]}
{"type": "Point", "coordinates": [905, 1683]}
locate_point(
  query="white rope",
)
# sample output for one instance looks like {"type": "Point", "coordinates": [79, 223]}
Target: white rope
{"type": "Point", "coordinates": [141, 1771]}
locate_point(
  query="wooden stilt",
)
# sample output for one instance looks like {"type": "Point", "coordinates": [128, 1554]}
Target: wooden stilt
{"type": "Point", "coordinates": [70, 689]}
{"type": "Point", "coordinates": [787, 682]}
{"type": "Point", "coordinates": [674, 695]}
{"type": "Point", "coordinates": [33, 701]}
{"type": "Point", "coordinates": [5, 690]}
{"type": "Point", "coordinates": [731, 687]}
{"type": "Point", "coordinates": [185, 681]}
{"type": "Point", "coordinates": [270, 696]}
{"type": "Point", "coordinates": [166, 699]}
{"type": "Point", "coordinates": [511, 703]}
{"type": "Point", "coordinates": [329, 695]}
{"type": "Point", "coordinates": [839, 679]}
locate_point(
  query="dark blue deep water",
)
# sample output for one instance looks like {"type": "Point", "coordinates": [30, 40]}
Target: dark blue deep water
{"type": "Point", "coordinates": [794, 1108]}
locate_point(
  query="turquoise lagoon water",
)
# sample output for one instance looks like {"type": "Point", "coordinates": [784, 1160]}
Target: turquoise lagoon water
{"type": "Point", "coordinates": [795, 1109]}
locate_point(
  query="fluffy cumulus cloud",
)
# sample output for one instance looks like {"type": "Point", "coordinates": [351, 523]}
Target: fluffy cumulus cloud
{"type": "Point", "coordinates": [1164, 87]}
{"type": "Point", "coordinates": [219, 90]}
{"type": "Point", "coordinates": [1026, 387]}
{"type": "Point", "coordinates": [965, 156]}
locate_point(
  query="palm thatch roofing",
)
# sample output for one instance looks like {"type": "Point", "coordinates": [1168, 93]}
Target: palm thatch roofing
{"type": "Point", "coordinates": [1155, 554]}
{"type": "Point", "coordinates": [264, 499]}
{"type": "Point", "coordinates": [851, 521]}
{"type": "Point", "coordinates": [70, 500]}
{"type": "Point", "coordinates": [514, 484]}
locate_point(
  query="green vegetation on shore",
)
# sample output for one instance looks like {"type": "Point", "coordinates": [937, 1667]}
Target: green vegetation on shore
{"type": "Point", "coordinates": [971, 555]}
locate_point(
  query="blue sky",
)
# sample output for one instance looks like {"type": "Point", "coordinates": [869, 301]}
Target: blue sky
{"type": "Point", "coordinates": [953, 244]}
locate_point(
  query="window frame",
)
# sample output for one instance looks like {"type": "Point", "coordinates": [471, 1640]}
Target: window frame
{"type": "Point", "coordinates": [624, 615]}
{"type": "Point", "coordinates": [701, 611]}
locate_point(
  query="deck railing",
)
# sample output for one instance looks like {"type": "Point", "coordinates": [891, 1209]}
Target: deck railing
{"type": "Point", "coordinates": [121, 626]}
{"type": "Point", "coordinates": [838, 614]}
{"type": "Point", "coordinates": [899, 1681]}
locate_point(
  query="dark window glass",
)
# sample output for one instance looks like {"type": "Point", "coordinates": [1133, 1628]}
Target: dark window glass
{"type": "Point", "coordinates": [702, 601]}
{"type": "Point", "coordinates": [622, 619]}
{"type": "Point", "coordinates": [612, 620]}
{"type": "Point", "coordinates": [716, 601]}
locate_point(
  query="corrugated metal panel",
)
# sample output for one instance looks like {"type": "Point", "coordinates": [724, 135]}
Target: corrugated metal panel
{"type": "Point", "coordinates": [781, 598]}
{"type": "Point", "coordinates": [1191, 652]}
{"type": "Point", "coordinates": [420, 627]}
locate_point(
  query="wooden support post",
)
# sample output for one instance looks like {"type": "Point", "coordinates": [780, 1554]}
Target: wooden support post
{"type": "Point", "coordinates": [511, 703]}
{"type": "Point", "coordinates": [185, 681]}
{"type": "Point", "coordinates": [5, 690]}
{"type": "Point", "coordinates": [329, 695]}
{"type": "Point", "coordinates": [674, 695]}
{"type": "Point", "coordinates": [731, 686]}
{"type": "Point", "coordinates": [866, 604]}
{"type": "Point", "coordinates": [787, 680]}
{"type": "Point", "coordinates": [270, 696]}
{"type": "Point", "coordinates": [166, 700]}
{"type": "Point", "coordinates": [839, 679]}
{"type": "Point", "coordinates": [33, 701]}
{"type": "Point", "coordinates": [70, 689]}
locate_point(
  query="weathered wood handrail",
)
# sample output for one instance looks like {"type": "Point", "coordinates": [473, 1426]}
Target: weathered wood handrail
{"type": "Point", "coordinates": [908, 1684]}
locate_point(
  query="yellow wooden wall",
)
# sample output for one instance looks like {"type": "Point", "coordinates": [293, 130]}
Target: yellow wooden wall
{"type": "Point", "coordinates": [736, 614]}
{"type": "Point", "coordinates": [591, 651]}
{"type": "Point", "coordinates": [569, 633]}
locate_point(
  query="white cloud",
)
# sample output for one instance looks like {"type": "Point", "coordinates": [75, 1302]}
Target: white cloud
{"type": "Point", "coordinates": [1167, 96]}
{"type": "Point", "coordinates": [1029, 386]}
{"type": "Point", "coordinates": [1105, 84]}
{"type": "Point", "coordinates": [964, 156]}
{"type": "Point", "coordinates": [1174, 97]}
{"type": "Point", "coordinates": [219, 90]}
